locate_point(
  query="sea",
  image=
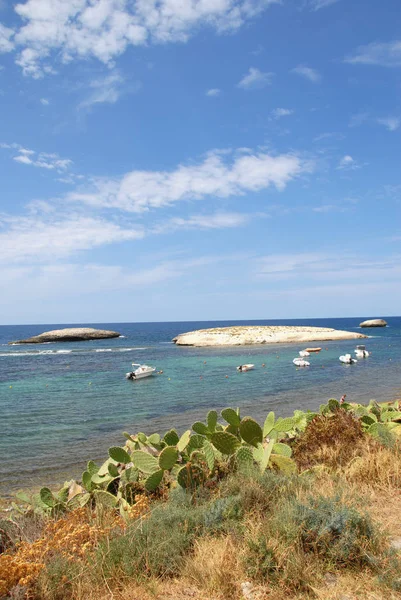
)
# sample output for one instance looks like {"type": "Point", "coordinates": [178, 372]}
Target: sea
{"type": "Point", "coordinates": [62, 404]}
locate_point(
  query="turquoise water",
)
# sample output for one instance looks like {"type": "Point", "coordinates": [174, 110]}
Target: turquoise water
{"type": "Point", "coordinates": [64, 403]}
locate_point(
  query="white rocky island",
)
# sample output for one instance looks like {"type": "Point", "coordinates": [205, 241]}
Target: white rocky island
{"type": "Point", "coordinates": [272, 334]}
{"type": "Point", "coordinates": [72, 334]}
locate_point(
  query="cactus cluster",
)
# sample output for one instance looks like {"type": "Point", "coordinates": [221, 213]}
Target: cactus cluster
{"type": "Point", "coordinates": [153, 463]}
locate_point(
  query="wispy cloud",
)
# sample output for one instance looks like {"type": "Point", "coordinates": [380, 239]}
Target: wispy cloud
{"type": "Point", "coordinates": [6, 39]}
{"type": "Point", "coordinates": [218, 175]}
{"type": "Point", "coordinates": [219, 220]}
{"type": "Point", "coordinates": [308, 73]}
{"type": "Point", "coordinates": [45, 101]}
{"type": "Point", "coordinates": [348, 163]}
{"type": "Point", "coordinates": [390, 123]}
{"type": "Point", "coordinates": [37, 238]}
{"type": "Point", "coordinates": [358, 119]}
{"type": "Point", "coordinates": [105, 90]}
{"type": "Point", "coordinates": [255, 79]}
{"type": "Point", "coordinates": [387, 54]}
{"type": "Point", "coordinates": [277, 113]}
{"type": "Point", "coordinates": [318, 4]}
{"type": "Point", "coordinates": [213, 92]}
{"type": "Point", "coordinates": [61, 31]}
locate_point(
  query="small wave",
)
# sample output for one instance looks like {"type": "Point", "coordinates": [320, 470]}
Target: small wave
{"type": "Point", "coordinates": [63, 351]}
{"type": "Point", "coordinates": [122, 336]}
{"type": "Point", "coordinates": [104, 350]}
{"type": "Point", "coordinates": [166, 342]}
{"type": "Point", "coordinates": [17, 354]}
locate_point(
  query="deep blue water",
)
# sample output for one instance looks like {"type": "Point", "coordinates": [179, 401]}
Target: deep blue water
{"type": "Point", "coordinates": [63, 403]}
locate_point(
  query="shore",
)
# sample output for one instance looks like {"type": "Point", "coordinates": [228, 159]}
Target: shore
{"type": "Point", "coordinates": [273, 334]}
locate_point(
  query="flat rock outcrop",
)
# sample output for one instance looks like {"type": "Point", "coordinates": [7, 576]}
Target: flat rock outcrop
{"type": "Point", "coordinates": [373, 323]}
{"type": "Point", "coordinates": [272, 334]}
{"type": "Point", "coordinates": [73, 334]}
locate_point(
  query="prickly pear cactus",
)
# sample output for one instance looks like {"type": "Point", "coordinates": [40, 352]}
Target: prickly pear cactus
{"type": "Point", "coordinates": [251, 432]}
{"type": "Point", "coordinates": [225, 442]}
{"type": "Point", "coordinates": [168, 457]}
{"type": "Point", "coordinates": [190, 476]}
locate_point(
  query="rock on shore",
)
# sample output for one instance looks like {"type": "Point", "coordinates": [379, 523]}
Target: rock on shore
{"type": "Point", "coordinates": [373, 323]}
{"type": "Point", "coordinates": [74, 334]}
{"type": "Point", "coordinates": [272, 334]}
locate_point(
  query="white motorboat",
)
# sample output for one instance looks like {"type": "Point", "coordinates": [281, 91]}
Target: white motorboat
{"type": "Point", "coordinates": [300, 362]}
{"type": "Point", "coordinates": [243, 368]}
{"type": "Point", "coordinates": [361, 352]}
{"type": "Point", "coordinates": [304, 353]}
{"type": "Point", "coordinates": [347, 359]}
{"type": "Point", "coordinates": [140, 372]}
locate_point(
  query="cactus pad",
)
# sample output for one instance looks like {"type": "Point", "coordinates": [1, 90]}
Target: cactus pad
{"type": "Point", "coordinates": [145, 462]}
{"type": "Point", "coordinates": [225, 442]}
{"type": "Point", "coordinates": [167, 458]}
{"type": "Point", "coordinates": [232, 418]}
{"type": "Point", "coordinates": [251, 432]}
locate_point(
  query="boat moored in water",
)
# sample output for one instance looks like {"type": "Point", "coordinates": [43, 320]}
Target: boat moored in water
{"type": "Point", "coordinates": [361, 352]}
{"type": "Point", "coordinates": [300, 362]}
{"type": "Point", "coordinates": [347, 359]}
{"type": "Point", "coordinates": [243, 368]}
{"type": "Point", "coordinates": [140, 372]}
{"type": "Point", "coordinates": [312, 349]}
{"type": "Point", "coordinates": [303, 353]}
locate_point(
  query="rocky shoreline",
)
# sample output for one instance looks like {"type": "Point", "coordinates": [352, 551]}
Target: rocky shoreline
{"type": "Point", "coordinates": [273, 334]}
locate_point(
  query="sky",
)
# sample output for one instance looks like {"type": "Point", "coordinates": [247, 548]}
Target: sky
{"type": "Point", "coordinates": [171, 160]}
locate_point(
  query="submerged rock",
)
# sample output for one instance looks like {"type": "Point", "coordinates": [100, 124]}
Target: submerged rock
{"type": "Point", "coordinates": [272, 334]}
{"type": "Point", "coordinates": [373, 323]}
{"type": "Point", "coordinates": [72, 334]}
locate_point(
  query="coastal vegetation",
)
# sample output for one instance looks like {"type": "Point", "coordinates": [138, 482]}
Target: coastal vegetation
{"type": "Point", "coordinates": [305, 506]}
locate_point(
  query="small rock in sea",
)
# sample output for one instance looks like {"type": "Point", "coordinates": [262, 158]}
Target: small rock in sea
{"type": "Point", "coordinates": [373, 323]}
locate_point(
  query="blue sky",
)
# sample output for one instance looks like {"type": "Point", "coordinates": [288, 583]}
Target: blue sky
{"type": "Point", "coordinates": [199, 159]}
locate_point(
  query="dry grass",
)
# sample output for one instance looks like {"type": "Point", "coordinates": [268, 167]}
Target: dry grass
{"type": "Point", "coordinates": [215, 567]}
{"type": "Point", "coordinates": [330, 440]}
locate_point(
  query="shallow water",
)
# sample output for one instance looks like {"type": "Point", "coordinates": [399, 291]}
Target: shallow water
{"type": "Point", "coordinates": [63, 403]}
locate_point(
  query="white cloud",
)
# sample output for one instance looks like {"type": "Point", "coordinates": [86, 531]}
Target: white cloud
{"type": "Point", "coordinates": [318, 4]}
{"type": "Point", "coordinates": [45, 101]}
{"type": "Point", "coordinates": [326, 267]}
{"type": "Point", "coordinates": [36, 238]}
{"type": "Point", "coordinates": [307, 72]}
{"type": "Point", "coordinates": [348, 163]}
{"type": "Point", "coordinates": [6, 42]}
{"type": "Point", "coordinates": [42, 160]}
{"type": "Point", "coordinates": [391, 123]}
{"type": "Point", "coordinates": [255, 79]}
{"type": "Point", "coordinates": [220, 174]}
{"type": "Point", "coordinates": [106, 89]}
{"type": "Point", "coordinates": [213, 92]}
{"type": "Point", "coordinates": [219, 220]}
{"type": "Point", "coordinates": [82, 29]}
{"type": "Point", "coordinates": [387, 54]}
{"type": "Point", "coordinates": [277, 113]}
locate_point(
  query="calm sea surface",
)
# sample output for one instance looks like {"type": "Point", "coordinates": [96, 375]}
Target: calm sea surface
{"type": "Point", "coordinates": [63, 403]}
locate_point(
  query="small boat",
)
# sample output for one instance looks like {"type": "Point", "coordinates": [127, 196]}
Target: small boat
{"type": "Point", "coordinates": [243, 368]}
{"type": "Point", "coordinates": [304, 353]}
{"type": "Point", "coordinates": [300, 362]}
{"type": "Point", "coordinates": [347, 359]}
{"type": "Point", "coordinates": [140, 372]}
{"type": "Point", "coordinates": [361, 352]}
{"type": "Point", "coordinates": [312, 349]}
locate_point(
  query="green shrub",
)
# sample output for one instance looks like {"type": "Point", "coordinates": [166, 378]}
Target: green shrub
{"type": "Point", "coordinates": [336, 532]}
